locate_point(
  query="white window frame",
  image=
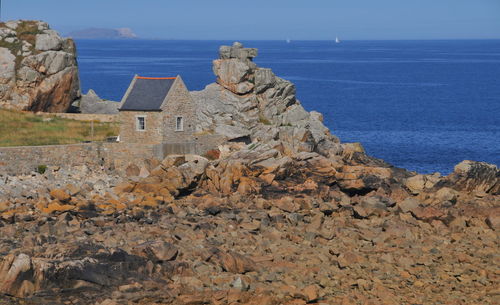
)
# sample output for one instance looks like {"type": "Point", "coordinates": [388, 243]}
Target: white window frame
{"type": "Point", "coordinates": [177, 127]}
{"type": "Point", "coordinates": [137, 117]}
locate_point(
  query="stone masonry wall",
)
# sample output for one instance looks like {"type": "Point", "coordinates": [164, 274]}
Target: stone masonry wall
{"type": "Point", "coordinates": [25, 159]}
{"type": "Point", "coordinates": [179, 103]}
{"type": "Point", "coordinates": [105, 118]}
{"type": "Point", "coordinates": [119, 155]}
{"type": "Point", "coordinates": [110, 156]}
{"type": "Point", "coordinates": [153, 133]}
{"type": "Point", "coordinates": [107, 156]}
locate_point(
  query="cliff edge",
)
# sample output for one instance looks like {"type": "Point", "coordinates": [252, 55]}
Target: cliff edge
{"type": "Point", "coordinates": [38, 68]}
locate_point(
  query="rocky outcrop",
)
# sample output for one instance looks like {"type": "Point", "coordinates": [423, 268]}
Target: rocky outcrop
{"type": "Point", "coordinates": [280, 214]}
{"type": "Point", "coordinates": [471, 176]}
{"type": "Point", "coordinates": [39, 69]}
{"type": "Point", "coordinates": [251, 102]}
{"type": "Point", "coordinates": [91, 103]}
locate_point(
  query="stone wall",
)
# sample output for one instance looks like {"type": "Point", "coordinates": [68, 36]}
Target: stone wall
{"type": "Point", "coordinates": [104, 118]}
{"type": "Point", "coordinates": [119, 155]}
{"type": "Point", "coordinates": [129, 133]}
{"type": "Point", "coordinates": [108, 156]}
{"type": "Point", "coordinates": [25, 159]}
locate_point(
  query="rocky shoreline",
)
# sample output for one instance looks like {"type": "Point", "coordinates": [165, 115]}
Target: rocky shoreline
{"type": "Point", "coordinates": [169, 239]}
{"type": "Point", "coordinates": [282, 213]}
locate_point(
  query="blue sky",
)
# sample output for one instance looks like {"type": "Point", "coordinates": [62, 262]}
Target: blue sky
{"type": "Point", "coordinates": [271, 19]}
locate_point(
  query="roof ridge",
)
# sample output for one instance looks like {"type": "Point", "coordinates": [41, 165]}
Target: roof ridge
{"type": "Point", "coordinates": [143, 77]}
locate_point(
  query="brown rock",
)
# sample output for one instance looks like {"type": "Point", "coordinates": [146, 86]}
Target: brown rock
{"type": "Point", "coordinates": [248, 186]}
{"type": "Point", "coordinates": [130, 287]}
{"type": "Point", "coordinates": [108, 302]}
{"type": "Point", "coordinates": [12, 274]}
{"type": "Point", "coordinates": [428, 213]}
{"type": "Point", "coordinates": [415, 184]}
{"type": "Point", "coordinates": [124, 187]}
{"type": "Point", "coordinates": [446, 194]}
{"type": "Point", "coordinates": [493, 222]}
{"type": "Point", "coordinates": [4, 206]}
{"type": "Point", "coordinates": [132, 170]}
{"type": "Point", "coordinates": [146, 201]}
{"type": "Point", "coordinates": [60, 195]}
{"type": "Point", "coordinates": [287, 204]}
{"type": "Point", "coordinates": [311, 293]}
{"type": "Point", "coordinates": [234, 262]}
{"type": "Point", "coordinates": [55, 206]}
{"type": "Point", "coordinates": [408, 205]}
{"type": "Point", "coordinates": [192, 299]}
{"type": "Point", "coordinates": [72, 189]}
{"type": "Point", "coordinates": [157, 251]}
{"type": "Point", "coordinates": [267, 178]}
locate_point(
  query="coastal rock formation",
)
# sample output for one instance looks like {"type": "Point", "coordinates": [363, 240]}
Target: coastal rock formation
{"type": "Point", "coordinates": [280, 213]}
{"type": "Point", "coordinates": [92, 103]}
{"type": "Point", "coordinates": [39, 69]}
{"type": "Point", "coordinates": [249, 102]}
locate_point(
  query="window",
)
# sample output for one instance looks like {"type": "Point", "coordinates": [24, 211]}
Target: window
{"type": "Point", "coordinates": [140, 123]}
{"type": "Point", "coordinates": [179, 123]}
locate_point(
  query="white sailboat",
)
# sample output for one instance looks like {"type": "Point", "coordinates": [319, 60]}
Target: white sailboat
{"type": "Point", "coordinates": [337, 40]}
{"type": "Point", "coordinates": [288, 40]}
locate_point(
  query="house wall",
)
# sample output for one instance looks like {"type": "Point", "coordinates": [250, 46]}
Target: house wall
{"type": "Point", "coordinates": [154, 127]}
{"type": "Point", "coordinates": [179, 103]}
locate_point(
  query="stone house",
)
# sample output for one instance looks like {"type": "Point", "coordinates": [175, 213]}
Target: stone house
{"type": "Point", "coordinates": [157, 110]}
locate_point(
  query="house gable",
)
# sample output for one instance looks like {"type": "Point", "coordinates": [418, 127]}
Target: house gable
{"type": "Point", "coordinates": [179, 104]}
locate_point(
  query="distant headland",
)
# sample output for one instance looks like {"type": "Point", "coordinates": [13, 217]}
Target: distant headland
{"type": "Point", "coordinates": [103, 33]}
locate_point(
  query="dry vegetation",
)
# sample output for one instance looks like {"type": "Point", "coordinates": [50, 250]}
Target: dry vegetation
{"type": "Point", "coordinates": [23, 129]}
{"type": "Point", "coordinates": [26, 31]}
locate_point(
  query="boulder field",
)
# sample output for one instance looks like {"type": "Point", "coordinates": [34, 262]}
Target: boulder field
{"type": "Point", "coordinates": [281, 213]}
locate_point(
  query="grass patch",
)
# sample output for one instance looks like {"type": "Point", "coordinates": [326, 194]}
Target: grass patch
{"type": "Point", "coordinates": [27, 129]}
{"type": "Point", "coordinates": [41, 169]}
{"type": "Point", "coordinates": [27, 30]}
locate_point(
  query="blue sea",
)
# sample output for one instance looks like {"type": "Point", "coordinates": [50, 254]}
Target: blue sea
{"type": "Point", "coordinates": [420, 105]}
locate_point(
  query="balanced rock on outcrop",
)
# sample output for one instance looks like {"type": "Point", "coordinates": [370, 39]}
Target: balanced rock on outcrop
{"type": "Point", "coordinates": [251, 104]}
{"type": "Point", "coordinates": [38, 68]}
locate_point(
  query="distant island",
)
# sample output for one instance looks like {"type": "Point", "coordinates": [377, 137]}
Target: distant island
{"type": "Point", "coordinates": [103, 33]}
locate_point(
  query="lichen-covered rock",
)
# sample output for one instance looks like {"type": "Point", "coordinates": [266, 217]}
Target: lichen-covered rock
{"type": "Point", "coordinates": [39, 69]}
